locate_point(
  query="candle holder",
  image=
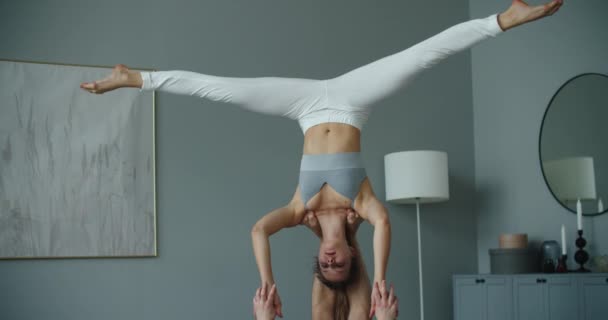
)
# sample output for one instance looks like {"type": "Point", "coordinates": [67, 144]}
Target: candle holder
{"type": "Point", "coordinates": [562, 267]}
{"type": "Point", "coordinates": [581, 256]}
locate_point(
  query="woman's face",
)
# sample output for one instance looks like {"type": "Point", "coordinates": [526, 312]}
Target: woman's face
{"type": "Point", "coordinates": [335, 261]}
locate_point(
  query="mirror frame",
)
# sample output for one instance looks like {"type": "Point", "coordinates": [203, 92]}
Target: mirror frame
{"type": "Point", "coordinates": [540, 137]}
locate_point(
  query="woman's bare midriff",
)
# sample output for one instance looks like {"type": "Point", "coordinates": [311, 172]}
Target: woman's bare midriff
{"type": "Point", "coordinates": [331, 138]}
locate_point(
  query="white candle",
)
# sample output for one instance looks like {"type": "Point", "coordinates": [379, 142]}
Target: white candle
{"type": "Point", "coordinates": [600, 206]}
{"type": "Point", "coordinates": [579, 215]}
{"type": "Point", "coordinates": [563, 240]}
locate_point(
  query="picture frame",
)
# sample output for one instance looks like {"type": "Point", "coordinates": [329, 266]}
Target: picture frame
{"type": "Point", "coordinates": [77, 170]}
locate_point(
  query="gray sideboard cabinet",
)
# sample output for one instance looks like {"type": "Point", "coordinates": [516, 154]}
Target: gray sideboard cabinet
{"type": "Point", "coordinates": [482, 297]}
{"type": "Point", "coordinates": [548, 297]}
{"type": "Point", "coordinates": [571, 296]}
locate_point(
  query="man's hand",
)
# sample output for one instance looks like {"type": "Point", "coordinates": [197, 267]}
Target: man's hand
{"type": "Point", "coordinates": [263, 303]}
{"type": "Point", "coordinates": [384, 304]}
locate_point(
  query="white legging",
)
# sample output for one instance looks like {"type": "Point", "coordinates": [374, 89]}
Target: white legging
{"type": "Point", "coordinates": [345, 99]}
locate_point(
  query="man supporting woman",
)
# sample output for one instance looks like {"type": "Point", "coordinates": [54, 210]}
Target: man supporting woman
{"type": "Point", "coordinates": [331, 113]}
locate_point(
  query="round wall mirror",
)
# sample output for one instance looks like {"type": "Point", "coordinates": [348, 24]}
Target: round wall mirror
{"type": "Point", "coordinates": [573, 144]}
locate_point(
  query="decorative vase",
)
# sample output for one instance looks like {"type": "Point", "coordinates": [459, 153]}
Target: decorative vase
{"type": "Point", "coordinates": [549, 256]}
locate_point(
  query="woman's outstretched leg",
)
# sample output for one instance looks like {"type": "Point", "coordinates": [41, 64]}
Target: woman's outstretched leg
{"type": "Point", "coordinates": [356, 90]}
{"type": "Point", "coordinates": [366, 85]}
{"type": "Point", "coordinates": [287, 97]}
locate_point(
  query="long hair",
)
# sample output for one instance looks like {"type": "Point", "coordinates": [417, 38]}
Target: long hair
{"type": "Point", "coordinates": [342, 305]}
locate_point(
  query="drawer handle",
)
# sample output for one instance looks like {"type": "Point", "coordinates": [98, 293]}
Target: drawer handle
{"type": "Point", "coordinates": [539, 280]}
{"type": "Point", "coordinates": [606, 280]}
{"type": "Point", "coordinates": [480, 280]}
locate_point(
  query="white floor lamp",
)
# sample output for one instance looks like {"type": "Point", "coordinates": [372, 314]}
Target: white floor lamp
{"type": "Point", "coordinates": [417, 177]}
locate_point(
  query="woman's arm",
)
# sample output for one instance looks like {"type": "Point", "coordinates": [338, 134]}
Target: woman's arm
{"type": "Point", "coordinates": [377, 215]}
{"type": "Point", "coordinates": [372, 210]}
{"type": "Point", "coordinates": [271, 223]}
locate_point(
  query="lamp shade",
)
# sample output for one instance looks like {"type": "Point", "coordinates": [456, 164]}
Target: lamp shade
{"type": "Point", "coordinates": [571, 178]}
{"type": "Point", "coordinates": [412, 175]}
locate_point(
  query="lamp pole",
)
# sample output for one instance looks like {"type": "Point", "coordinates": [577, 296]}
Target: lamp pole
{"type": "Point", "coordinates": [419, 176]}
{"type": "Point", "coordinates": [419, 259]}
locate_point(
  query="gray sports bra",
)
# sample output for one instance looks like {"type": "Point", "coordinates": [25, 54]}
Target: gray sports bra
{"type": "Point", "coordinates": [344, 172]}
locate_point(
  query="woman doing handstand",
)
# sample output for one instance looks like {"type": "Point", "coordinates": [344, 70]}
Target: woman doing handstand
{"type": "Point", "coordinates": [331, 114]}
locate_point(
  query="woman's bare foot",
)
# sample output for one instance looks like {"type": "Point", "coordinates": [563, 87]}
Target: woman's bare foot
{"type": "Point", "coordinates": [120, 77]}
{"type": "Point", "coordinates": [520, 13]}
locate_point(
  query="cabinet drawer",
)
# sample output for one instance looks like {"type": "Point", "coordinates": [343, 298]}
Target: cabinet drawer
{"type": "Point", "coordinates": [594, 297]}
{"type": "Point", "coordinates": [482, 297]}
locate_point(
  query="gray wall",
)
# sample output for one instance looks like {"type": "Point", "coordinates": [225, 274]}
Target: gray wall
{"type": "Point", "coordinates": [513, 82]}
{"type": "Point", "coordinates": [220, 168]}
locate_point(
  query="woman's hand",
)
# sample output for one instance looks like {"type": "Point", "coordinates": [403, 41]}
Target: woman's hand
{"type": "Point", "coordinates": [276, 302]}
{"type": "Point", "coordinates": [520, 13]}
{"type": "Point", "coordinates": [263, 303]}
{"type": "Point", "coordinates": [384, 304]}
{"type": "Point", "coordinates": [310, 220]}
{"type": "Point", "coordinates": [353, 220]}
